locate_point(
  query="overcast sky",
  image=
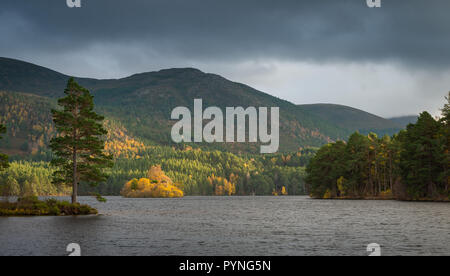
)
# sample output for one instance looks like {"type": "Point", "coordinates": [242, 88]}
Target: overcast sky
{"type": "Point", "coordinates": [393, 60]}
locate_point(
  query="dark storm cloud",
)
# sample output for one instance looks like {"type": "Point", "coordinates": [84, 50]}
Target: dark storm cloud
{"type": "Point", "coordinates": [412, 32]}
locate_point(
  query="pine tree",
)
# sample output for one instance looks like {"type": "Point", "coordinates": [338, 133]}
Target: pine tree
{"type": "Point", "coordinates": [325, 169]}
{"type": "Point", "coordinates": [358, 165]}
{"type": "Point", "coordinates": [79, 146]}
{"type": "Point", "coordinates": [446, 111]}
{"type": "Point", "coordinates": [446, 144]}
{"type": "Point", "coordinates": [3, 158]}
{"type": "Point", "coordinates": [421, 157]}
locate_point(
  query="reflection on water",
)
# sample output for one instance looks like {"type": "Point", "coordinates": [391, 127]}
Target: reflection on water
{"type": "Point", "coordinates": [235, 226]}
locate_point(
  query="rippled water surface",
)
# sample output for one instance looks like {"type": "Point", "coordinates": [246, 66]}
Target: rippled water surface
{"type": "Point", "coordinates": [235, 226]}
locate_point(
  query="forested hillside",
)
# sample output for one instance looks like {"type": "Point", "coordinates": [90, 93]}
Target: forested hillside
{"type": "Point", "coordinates": [137, 110]}
{"type": "Point", "coordinates": [143, 103]}
{"type": "Point", "coordinates": [30, 127]}
{"type": "Point", "coordinates": [28, 121]}
{"type": "Point", "coordinates": [198, 172]}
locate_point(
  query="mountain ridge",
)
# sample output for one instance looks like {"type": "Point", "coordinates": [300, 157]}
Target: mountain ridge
{"type": "Point", "coordinates": [143, 102]}
{"type": "Point", "coordinates": [351, 118]}
{"type": "Point", "coordinates": [404, 121]}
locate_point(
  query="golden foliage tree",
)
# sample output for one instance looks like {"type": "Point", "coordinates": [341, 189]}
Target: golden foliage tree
{"type": "Point", "coordinates": [222, 186]}
{"type": "Point", "coordinates": [157, 185]}
{"type": "Point", "coordinates": [283, 191]}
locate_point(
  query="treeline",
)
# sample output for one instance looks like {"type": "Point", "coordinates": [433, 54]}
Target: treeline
{"type": "Point", "coordinates": [29, 179]}
{"type": "Point", "coordinates": [412, 165]}
{"type": "Point", "coordinates": [197, 172]}
{"type": "Point", "coordinates": [200, 172]}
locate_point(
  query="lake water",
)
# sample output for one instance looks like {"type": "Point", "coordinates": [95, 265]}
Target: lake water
{"type": "Point", "coordinates": [235, 226]}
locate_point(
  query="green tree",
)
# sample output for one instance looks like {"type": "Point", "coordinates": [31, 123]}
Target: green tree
{"type": "Point", "coordinates": [414, 164]}
{"type": "Point", "coordinates": [9, 187]}
{"type": "Point", "coordinates": [445, 138]}
{"type": "Point", "coordinates": [325, 169]}
{"type": "Point", "coordinates": [358, 165]}
{"type": "Point", "coordinates": [446, 111]}
{"type": "Point", "coordinates": [422, 157]}
{"type": "Point", "coordinates": [3, 157]}
{"type": "Point", "coordinates": [79, 146]}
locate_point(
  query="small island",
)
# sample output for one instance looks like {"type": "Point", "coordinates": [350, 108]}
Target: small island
{"type": "Point", "coordinates": [156, 185]}
{"type": "Point", "coordinates": [32, 206]}
{"type": "Point", "coordinates": [78, 157]}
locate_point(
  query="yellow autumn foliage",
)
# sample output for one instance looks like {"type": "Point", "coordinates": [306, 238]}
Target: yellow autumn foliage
{"type": "Point", "coordinates": [119, 144]}
{"type": "Point", "coordinates": [157, 185]}
{"type": "Point", "coordinates": [223, 186]}
{"type": "Point", "coordinates": [327, 194]}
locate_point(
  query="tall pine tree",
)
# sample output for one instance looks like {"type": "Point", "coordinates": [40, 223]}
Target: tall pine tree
{"type": "Point", "coordinates": [79, 147]}
{"type": "Point", "coordinates": [421, 157]}
{"type": "Point", "coordinates": [3, 158]}
{"type": "Point", "coordinates": [446, 144]}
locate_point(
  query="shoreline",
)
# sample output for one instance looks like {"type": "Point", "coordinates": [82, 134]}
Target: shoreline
{"type": "Point", "coordinates": [32, 207]}
{"type": "Point", "coordinates": [386, 198]}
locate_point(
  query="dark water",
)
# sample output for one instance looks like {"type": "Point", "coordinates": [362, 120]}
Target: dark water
{"type": "Point", "coordinates": [235, 226]}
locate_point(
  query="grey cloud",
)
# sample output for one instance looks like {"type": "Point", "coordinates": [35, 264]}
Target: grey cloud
{"type": "Point", "coordinates": [414, 32]}
{"type": "Point", "coordinates": [391, 61]}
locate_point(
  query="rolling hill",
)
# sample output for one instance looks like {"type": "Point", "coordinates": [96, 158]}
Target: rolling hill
{"type": "Point", "coordinates": [142, 104]}
{"type": "Point", "coordinates": [404, 121]}
{"type": "Point", "coordinates": [352, 119]}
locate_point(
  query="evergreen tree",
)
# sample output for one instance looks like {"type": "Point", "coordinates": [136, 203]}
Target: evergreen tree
{"type": "Point", "coordinates": [358, 165]}
{"type": "Point", "coordinates": [421, 157]}
{"type": "Point", "coordinates": [325, 169]}
{"type": "Point", "coordinates": [446, 111]}
{"type": "Point", "coordinates": [3, 158]}
{"type": "Point", "coordinates": [79, 146]}
{"type": "Point", "coordinates": [10, 187]}
{"type": "Point", "coordinates": [445, 135]}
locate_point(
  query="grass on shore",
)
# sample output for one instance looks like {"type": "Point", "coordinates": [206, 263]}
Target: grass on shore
{"type": "Point", "coordinates": [32, 206]}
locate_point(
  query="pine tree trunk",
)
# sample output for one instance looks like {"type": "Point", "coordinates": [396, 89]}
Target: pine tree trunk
{"type": "Point", "coordinates": [75, 181]}
{"type": "Point", "coordinates": [391, 181]}
{"type": "Point", "coordinates": [75, 178]}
